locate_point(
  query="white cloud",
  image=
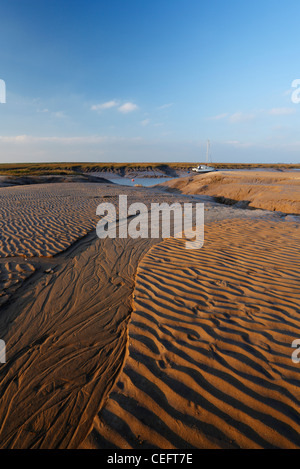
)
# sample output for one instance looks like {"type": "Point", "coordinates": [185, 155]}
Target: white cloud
{"type": "Point", "coordinates": [165, 106]}
{"type": "Point", "coordinates": [84, 139]}
{"type": "Point", "coordinates": [127, 107]}
{"type": "Point", "coordinates": [103, 106]}
{"type": "Point", "coordinates": [59, 114]}
{"type": "Point", "coordinates": [124, 108]}
{"type": "Point", "coordinates": [282, 111]}
{"type": "Point", "coordinates": [241, 117]}
{"type": "Point", "coordinates": [238, 144]}
{"type": "Point", "coordinates": [219, 116]}
{"type": "Point", "coordinates": [145, 122]}
{"type": "Point", "coordinates": [29, 139]}
{"type": "Point", "coordinates": [233, 118]}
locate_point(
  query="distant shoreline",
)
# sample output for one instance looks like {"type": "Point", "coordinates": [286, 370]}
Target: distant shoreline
{"type": "Point", "coordinates": [125, 169]}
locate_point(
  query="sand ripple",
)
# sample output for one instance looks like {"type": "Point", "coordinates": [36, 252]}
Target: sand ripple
{"type": "Point", "coordinates": [209, 362]}
{"type": "Point", "coordinates": [43, 220]}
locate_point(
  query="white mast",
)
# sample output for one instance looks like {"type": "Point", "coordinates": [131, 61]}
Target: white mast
{"type": "Point", "coordinates": [207, 151]}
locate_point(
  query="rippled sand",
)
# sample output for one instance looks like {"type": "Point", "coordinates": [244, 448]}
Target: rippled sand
{"type": "Point", "coordinates": [210, 336]}
{"type": "Point", "coordinates": [42, 220]}
{"type": "Point", "coordinates": [141, 343]}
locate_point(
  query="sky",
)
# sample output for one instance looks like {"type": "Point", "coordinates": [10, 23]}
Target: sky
{"type": "Point", "coordinates": [137, 80]}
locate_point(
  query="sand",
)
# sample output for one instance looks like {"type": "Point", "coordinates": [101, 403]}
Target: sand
{"type": "Point", "coordinates": [122, 343]}
{"type": "Point", "coordinates": [209, 363]}
{"type": "Point", "coordinates": [268, 190]}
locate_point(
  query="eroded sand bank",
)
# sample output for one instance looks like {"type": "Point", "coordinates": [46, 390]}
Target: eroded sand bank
{"type": "Point", "coordinates": [268, 190]}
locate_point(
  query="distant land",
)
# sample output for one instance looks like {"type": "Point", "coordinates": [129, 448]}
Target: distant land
{"type": "Point", "coordinates": [125, 169]}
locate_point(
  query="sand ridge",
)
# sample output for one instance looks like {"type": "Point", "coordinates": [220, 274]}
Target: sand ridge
{"type": "Point", "coordinates": [209, 362]}
{"type": "Point", "coordinates": [268, 190]}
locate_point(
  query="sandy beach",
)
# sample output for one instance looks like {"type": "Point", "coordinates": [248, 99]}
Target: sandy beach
{"type": "Point", "coordinates": [141, 343]}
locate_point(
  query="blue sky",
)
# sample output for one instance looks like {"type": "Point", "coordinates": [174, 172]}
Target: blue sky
{"type": "Point", "coordinates": [132, 80]}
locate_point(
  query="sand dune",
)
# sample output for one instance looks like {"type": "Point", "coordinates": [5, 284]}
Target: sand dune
{"type": "Point", "coordinates": [258, 189]}
{"type": "Point", "coordinates": [209, 362]}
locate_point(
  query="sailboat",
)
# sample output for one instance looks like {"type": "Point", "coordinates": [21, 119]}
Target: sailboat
{"type": "Point", "coordinates": [204, 168]}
